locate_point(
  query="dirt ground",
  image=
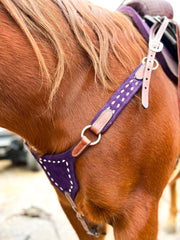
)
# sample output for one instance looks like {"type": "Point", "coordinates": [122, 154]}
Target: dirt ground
{"type": "Point", "coordinates": [29, 209]}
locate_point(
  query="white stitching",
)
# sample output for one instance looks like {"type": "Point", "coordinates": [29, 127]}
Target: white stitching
{"type": "Point", "coordinates": [49, 174]}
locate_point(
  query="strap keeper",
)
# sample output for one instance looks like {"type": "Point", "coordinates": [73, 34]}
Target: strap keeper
{"type": "Point", "coordinates": [81, 146]}
{"type": "Point", "coordinates": [102, 121]}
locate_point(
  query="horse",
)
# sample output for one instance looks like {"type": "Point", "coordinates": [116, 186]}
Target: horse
{"type": "Point", "coordinates": [61, 60]}
{"type": "Point", "coordinates": [151, 8]}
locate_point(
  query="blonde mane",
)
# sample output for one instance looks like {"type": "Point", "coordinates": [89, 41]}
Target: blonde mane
{"type": "Point", "coordinates": [36, 16]}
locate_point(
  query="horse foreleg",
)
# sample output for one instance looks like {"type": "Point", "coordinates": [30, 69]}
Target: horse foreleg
{"type": "Point", "coordinates": [139, 220]}
{"type": "Point", "coordinates": [71, 215]}
{"type": "Point", "coordinates": [171, 222]}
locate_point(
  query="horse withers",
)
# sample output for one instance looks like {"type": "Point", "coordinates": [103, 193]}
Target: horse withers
{"type": "Point", "coordinates": [60, 62]}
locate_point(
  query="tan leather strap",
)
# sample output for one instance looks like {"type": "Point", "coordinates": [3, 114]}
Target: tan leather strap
{"type": "Point", "coordinates": [101, 122]}
{"type": "Point", "coordinates": [90, 231]}
{"type": "Point", "coordinates": [79, 215]}
{"type": "Point", "coordinates": [96, 128]}
{"type": "Point", "coordinates": [81, 146]}
{"type": "Point", "coordinates": [154, 46]}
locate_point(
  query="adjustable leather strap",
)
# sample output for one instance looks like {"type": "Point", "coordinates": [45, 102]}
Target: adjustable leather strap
{"type": "Point", "coordinates": [81, 146]}
{"type": "Point", "coordinates": [93, 231]}
{"type": "Point", "coordinates": [102, 121]}
{"type": "Point", "coordinates": [95, 128]}
{"type": "Point", "coordinates": [154, 46]}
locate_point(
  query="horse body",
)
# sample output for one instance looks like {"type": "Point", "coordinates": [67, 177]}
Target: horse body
{"type": "Point", "coordinates": [122, 178]}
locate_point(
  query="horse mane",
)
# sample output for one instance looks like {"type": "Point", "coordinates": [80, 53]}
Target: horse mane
{"type": "Point", "coordinates": [37, 17]}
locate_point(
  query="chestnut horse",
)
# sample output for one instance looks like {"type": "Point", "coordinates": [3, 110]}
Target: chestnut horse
{"type": "Point", "coordinates": [60, 62]}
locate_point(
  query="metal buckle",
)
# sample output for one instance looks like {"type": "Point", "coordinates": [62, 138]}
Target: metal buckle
{"type": "Point", "coordinates": [155, 46]}
{"type": "Point", "coordinates": [92, 143]}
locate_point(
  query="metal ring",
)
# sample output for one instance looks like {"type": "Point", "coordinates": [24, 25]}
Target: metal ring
{"type": "Point", "coordinates": [92, 143]}
{"type": "Point", "coordinates": [156, 66]}
{"type": "Point", "coordinates": [144, 60]}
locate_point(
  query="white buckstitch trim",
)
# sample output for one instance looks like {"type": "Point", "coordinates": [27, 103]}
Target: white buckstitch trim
{"type": "Point", "coordinates": [127, 94]}
{"type": "Point", "coordinates": [49, 174]}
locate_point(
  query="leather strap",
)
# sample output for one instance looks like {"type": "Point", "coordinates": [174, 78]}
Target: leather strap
{"type": "Point", "coordinates": [90, 231]}
{"type": "Point", "coordinates": [101, 122]}
{"type": "Point", "coordinates": [95, 128]}
{"type": "Point", "coordinates": [81, 146]}
{"type": "Point", "coordinates": [154, 46]}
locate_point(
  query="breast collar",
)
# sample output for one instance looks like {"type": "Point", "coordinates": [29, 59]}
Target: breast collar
{"type": "Point", "coordinates": [60, 168]}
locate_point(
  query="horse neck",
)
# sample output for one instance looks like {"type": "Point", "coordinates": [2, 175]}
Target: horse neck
{"type": "Point", "coordinates": [25, 108]}
{"type": "Point", "coordinates": [24, 98]}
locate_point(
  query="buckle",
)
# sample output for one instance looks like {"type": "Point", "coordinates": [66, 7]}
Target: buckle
{"type": "Point", "coordinates": [155, 46]}
{"type": "Point", "coordinates": [98, 137]}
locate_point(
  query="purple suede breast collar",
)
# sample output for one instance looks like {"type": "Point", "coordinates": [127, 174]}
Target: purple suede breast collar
{"type": "Point", "coordinates": [60, 168]}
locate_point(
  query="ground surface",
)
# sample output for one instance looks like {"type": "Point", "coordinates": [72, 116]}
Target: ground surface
{"type": "Point", "coordinates": [29, 209]}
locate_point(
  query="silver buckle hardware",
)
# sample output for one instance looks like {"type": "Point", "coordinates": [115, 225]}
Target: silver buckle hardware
{"type": "Point", "coordinates": [155, 46]}
{"type": "Point", "coordinates": [98, 137]}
